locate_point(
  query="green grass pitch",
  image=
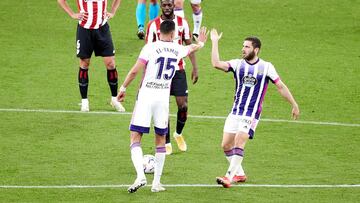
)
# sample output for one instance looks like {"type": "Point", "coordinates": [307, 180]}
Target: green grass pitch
{"type": "Point", "coordinates": [314, 46]}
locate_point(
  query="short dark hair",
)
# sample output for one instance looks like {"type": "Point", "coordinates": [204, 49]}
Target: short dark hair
{"type": "Point", "coordinates": [167, 26]}
{"type": "Point", "coordinates": [256, 43]}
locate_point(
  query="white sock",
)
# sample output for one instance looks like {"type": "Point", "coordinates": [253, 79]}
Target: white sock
{"type": "Point", "coordinates": [137, 159]}
{"type": "Point", "coordinates": [179, 12]}
{"type": "Point", "coordinates": [85, 101]}
{"type": "Point", "coordinates": [159, 164]}
{"type": "Point", "coordinates": [240, 171]}
{"type": "Point", "coordinates": [197, 19]}
{"type": "Point", "coordinates": [234, 166]}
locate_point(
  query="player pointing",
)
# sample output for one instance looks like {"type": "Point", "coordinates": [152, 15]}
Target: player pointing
{"type": "Point", "coordinates": [252, 76]}
{"type": "Point", "coordinates": [159, 61]}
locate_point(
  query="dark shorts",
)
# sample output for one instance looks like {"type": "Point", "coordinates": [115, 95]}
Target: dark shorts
{"type": "Point", "coordinates": [94, 40]}
{"type": "Point", "coordinates": [179, 84]}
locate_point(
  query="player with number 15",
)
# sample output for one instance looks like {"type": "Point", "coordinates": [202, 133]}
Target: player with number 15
{"type": "Point", "coordinates": [159, 60]}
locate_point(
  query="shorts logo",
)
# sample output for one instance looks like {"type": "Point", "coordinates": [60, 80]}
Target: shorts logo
{"type": "Point", "coordinates": [247, 121]}
{"type": "Point", "coordinates": [77, 46]}
{"type": "Point", "coordinates": [249, 80]}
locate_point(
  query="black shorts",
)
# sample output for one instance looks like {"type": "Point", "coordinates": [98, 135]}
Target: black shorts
{"type": "Point", "coordinates": [179, 84]}
{"type": "Point", "coordinates": [97, 40]}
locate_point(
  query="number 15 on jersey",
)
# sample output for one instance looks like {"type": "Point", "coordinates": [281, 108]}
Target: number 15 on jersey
{"type": "Point", "coordinates": [169, 71]}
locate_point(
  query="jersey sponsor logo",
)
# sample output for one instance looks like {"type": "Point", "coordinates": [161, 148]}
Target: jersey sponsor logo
{"type": "Point", "coordinates": [249, 80]}
{"type": "Point", "coordinates": [155, 85]}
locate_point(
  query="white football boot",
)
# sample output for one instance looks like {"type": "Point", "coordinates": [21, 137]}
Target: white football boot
{"type": "Point", "coordinates": [137, 184]}
{"type": "Point", "coordinates": [117, 105]}
{"type": "Point", "coordinates": [157, 187]}
{"type": "Point", "coordinates": [84, 105]}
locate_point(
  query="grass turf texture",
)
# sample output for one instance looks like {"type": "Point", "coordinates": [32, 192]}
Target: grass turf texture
{"type": "Point", "coordinates": [313, 45]}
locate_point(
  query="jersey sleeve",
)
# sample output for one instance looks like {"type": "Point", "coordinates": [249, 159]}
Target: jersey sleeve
{"type": "Point", "coordinates": [144, 54]}
{"type": "Point", "coordinates": [186, 30]}
{"type": "Point", "coordinates": [233, 65]}
{"type": "Point", "coordinates": [151, 32]}
{"type": "Point", "coordinates": [184, 51]}
{"type": "Point", "coordinates": [272, 74]}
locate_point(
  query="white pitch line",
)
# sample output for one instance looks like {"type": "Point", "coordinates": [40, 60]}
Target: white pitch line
{"type": "Point", "coordinates": [173, 115]}
{"type": "Point", "coordinates": [172, 185]}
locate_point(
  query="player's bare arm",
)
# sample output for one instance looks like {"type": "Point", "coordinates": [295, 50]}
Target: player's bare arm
{"type": "Point", "coordinates": [285, 92]}
{"type": "Point", "coordinates": [114, 6]}
{"type": "Point", "coordinates": [139, 65]}
{"type": "Point", "coordinates": [194, 73]}
{"type": "Point", "coordinates": [215, 58]}
{"type": "Point", "coordinates": [65, 6]}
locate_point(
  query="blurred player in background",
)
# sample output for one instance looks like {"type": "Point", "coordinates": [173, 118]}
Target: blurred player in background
{"type": "Point", "coordinates": [252, 76]}
{"type": "Point", "coordinates": [179, 83]}
{"type": "Point", "coordinates": [197, 13]}
{"type": "Point", "coordinates": [141, 15]}
{"type": "Point", "coordinates": [158, 61]}
{"type": "Point", "coordinates": [93, 35]}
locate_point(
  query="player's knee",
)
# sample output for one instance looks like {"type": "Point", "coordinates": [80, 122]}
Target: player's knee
{"type": "Point", "coordinates": [196, 8]}
{"type": "Point", "coordinates": [182, 104]}
{"type": "Point", "coordinates": [226, 146]}
{"type": "Point", "coordinates": [110, 65]}
{"type": "Point", "coordinates": [179, 4]}
{"type": "Point", "coordinates": [84, 63]}
{"type": "Point", "coordinates": [109, 62]}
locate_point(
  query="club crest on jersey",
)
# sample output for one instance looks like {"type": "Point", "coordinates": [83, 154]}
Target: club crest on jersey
{"type": "Point", "coordinates": [249, 80]}
{"type": "Point", "coordinates": [181, 28]}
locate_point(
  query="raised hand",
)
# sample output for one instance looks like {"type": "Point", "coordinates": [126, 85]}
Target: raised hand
{"type": "Point", "coordinates": [214, 35]}
{"type": "Point", "coordinates": [203, 35]}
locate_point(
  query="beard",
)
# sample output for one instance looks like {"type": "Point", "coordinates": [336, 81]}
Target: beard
{"type": "Point", "coordinates": [250, 56]}
{"type": "Point", "coordinates": [168, 15]}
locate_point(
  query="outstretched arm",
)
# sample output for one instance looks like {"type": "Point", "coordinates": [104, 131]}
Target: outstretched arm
{"type": "Point", "coordinates": [285, 92]}
{"type": "Point", "coordinates": [139, 65]}
{"type": "Point", "coordinates": [215, 58]}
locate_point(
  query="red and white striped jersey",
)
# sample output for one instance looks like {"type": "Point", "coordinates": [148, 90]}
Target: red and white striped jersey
{"type": "Point", "coordinates": [96, 10]}
{"type": "Point", "coordinates": [182, 32]}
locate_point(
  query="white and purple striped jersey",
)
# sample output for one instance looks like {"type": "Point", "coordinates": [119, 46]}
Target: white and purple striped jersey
{"type": "Point", "coordinates": [251, 84]}
{"type": "Point", "coordinates": [161, 59]}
